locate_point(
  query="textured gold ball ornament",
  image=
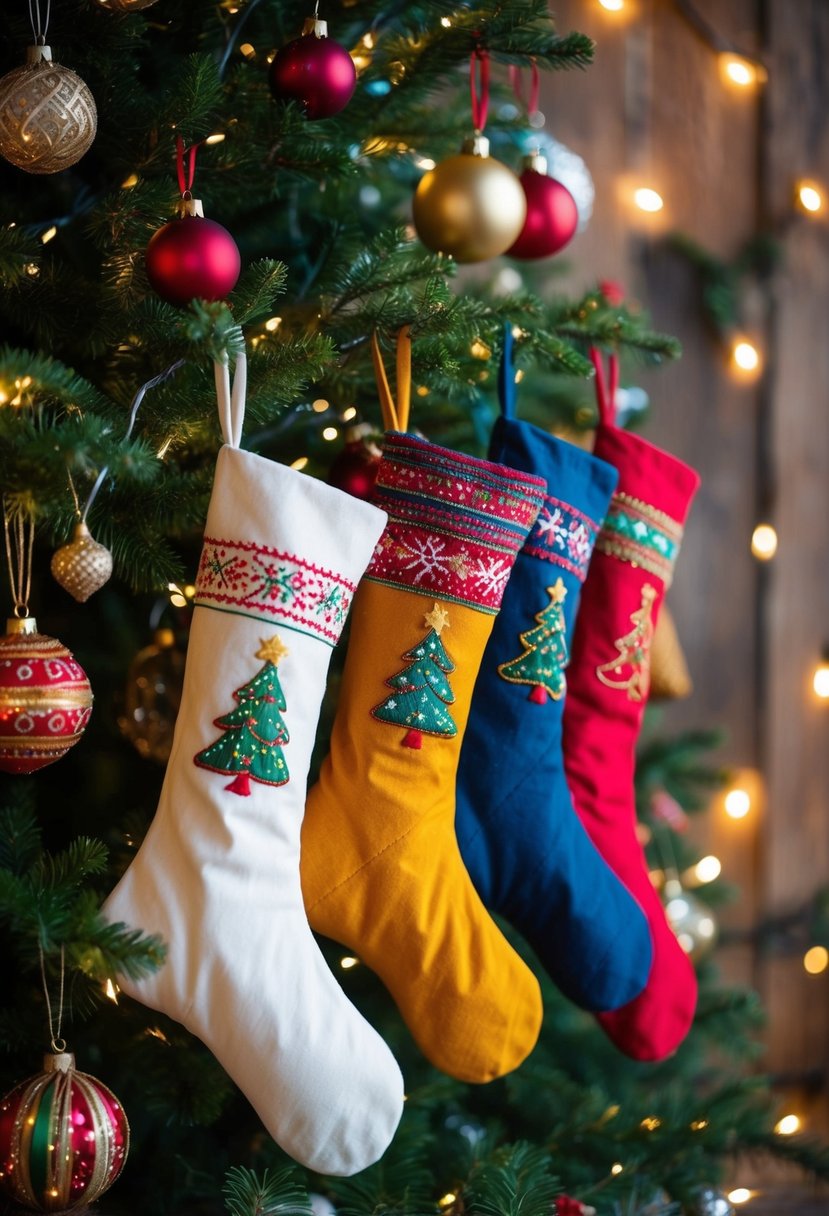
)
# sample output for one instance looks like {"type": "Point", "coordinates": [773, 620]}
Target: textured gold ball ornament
{"type": "Point", "coordinates": [47, 114]}
{"type": "Point", "coordinates": [692, 922]}
{"type": "Point", "coordinates": [470, 206]}
{"type": "Point", "coordinates": [83, 566]}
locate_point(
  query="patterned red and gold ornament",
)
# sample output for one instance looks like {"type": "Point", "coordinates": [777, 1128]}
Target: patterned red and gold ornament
{"type": "Point", "coordinates": [64, 1138]}
{"type": "Point", "coordinates": [45, 698]}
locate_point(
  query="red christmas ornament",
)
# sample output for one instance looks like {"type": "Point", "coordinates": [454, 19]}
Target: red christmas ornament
{"type": "Point", "coordinates": [552, 214]}
{"type": "Point", "coordinates": [64, 1138]}
{"type": "Point", "coordinates": [314, 71]}
{"type": "Point", "coordinates": [355, 469]}
{"type": "Point", "coordinates": [612, 291]}
{"type": "Point", "coordinates": [191, 257]}
{"type": "Point", "coordinates": [45, 698]}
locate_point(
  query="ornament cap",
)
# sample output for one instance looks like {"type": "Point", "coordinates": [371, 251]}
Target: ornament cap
{"type": "Point", "coordinates": [59, 1061]}
{"type": "Point", "coordinates": [20, 625]}
{"type": "Point", "coordinates": [189, 206]}
{"type": "Point", "coordinates": [39, 53]}
{"type": "Point", "coordinates": [313, 25]}
{"type": "Point", "coordinates": [535, 161]}
{"type": "Point", "coordinates": [476, 145]}
{"type": "Point", "coordinates": [81, 531]}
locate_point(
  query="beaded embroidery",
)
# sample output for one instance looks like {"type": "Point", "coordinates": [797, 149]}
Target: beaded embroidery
{"type": "Point", "coordinates": [564, 536]}
{"type": "Point", "coordinates": [636, 532]}
{"type": "Point", "coordinates": [255, 581]}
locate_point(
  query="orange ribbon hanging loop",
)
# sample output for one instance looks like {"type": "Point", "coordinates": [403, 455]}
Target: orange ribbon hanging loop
{"type": "Point", "coordinates": [395, 416]}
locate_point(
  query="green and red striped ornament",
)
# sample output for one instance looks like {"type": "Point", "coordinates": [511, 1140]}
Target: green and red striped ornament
{"type": "Point", "coordinates": [64, 1138]}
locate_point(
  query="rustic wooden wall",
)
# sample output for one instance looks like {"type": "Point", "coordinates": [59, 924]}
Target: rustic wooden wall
{"type": "Point", "coordinates": [654, 107]}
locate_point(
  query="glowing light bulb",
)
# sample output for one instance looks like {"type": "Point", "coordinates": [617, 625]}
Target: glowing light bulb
{"type": "Point", "coordinates": [447, 1200]}
{"type": "Point", "coordinates": [616, 1167]}
{"type": "Point", "coordinates": [446, 23]}
{"type": "Point", "coordinates": [816, 960]}
{"type": "Point", "coordinates": [480, 350]}
{"type": "Point", "coordinates": [787, 1126]}
{"type": "Point", "coordinates": [129, 182]}
{"type": "Point", "coordinates": [740, 1195]}
{"type": "Point", "coordinates": [218, 138]}
{"type": "Point", "coordinates": [48, 235]}
{"type": "Point", "coordinates": [737, 803]}
{"type": "Point", "coordinates": [745, 356]}
{"type": "Point", "coordinates": [272, 324]}
{"type": "Point", "coordinates": [810, 197]}
{"type": "Point", "coordinates": [612, 6]}
{"type": "Point", "coordinates": [708, 868]}
{"type": "Point", "coordinates": [300, 463]}
{"type": "Point", "coordinates": [737, 70]}
{"type": "Point", "coordinates": [348, 962]}
{"type": "Point", "coordinates": [319, 406]}
{"type": "Point", "coordinates": [349, 413]}
{"type": "Point", "coordinates": [820, 680]}
{"type": "Point", "coordinates": [647, 199]}
{"type": "Point", "coordinates": [764, 542]}
{"type": "Point", "coordinates": [329, 433]}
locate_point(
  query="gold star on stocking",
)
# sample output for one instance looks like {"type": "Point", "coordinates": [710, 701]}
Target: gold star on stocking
{"type": "Point", "coordinates": [271, 650]}
{"type": "Point", "coordinates": [558, 592]}
{"type": "Point", "coordinates": [437, 619]}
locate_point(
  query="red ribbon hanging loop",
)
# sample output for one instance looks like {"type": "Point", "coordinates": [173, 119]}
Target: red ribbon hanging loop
{"type": "Point", "coordinates": [479, 94]}
{"type": "Point", "coordinates": [185, 165]}
{"type": "Point", "coordinates": [606, 386]}
{"type": "Point", "coordinates": [518, 88]}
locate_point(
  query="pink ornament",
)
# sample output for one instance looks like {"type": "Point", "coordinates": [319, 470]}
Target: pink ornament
{"type": "Point", "coordinates": [552, 214]}
{"type": "Point", "coordinates": [192, 258]}
{"type": "Point", "coordinates": [314, 71]}
{"type": "Point", "coordinates": [45, 699]}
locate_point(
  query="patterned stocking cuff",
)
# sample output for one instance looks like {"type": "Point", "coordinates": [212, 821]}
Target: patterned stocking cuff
{"type": "Point", "coordinates": [579, 487]}
{"type": "Point", "coordinates": [645, 521]}
{"type": "Point", "coordinates": [456, 524]}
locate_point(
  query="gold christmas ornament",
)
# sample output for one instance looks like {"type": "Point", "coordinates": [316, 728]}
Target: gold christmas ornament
{"type": "Point", "coordinates": [470, 206]}
{"type": "Point", "coordinates": [670, 678]}
{"type": "Point", "coordinates": [83, 566]}
{"type": "Point", "coordinates": [152, 697]}
{"type": "Point", "coordinates": [47, 114]}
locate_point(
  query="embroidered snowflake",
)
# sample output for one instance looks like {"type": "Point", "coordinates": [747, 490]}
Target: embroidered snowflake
{"type": "Point", "coordinates": [552, 526]}
{"type": "Point", "coordinates": [426, 557]}
{"type": "Point", "coordinates": [491, 575]}
{"type": "Point", "coordinates": [578, 542]}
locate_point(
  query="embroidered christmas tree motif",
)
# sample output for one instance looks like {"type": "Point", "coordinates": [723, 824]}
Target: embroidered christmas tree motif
{"type": "Point", "coordinates": [252, 746]}
{"type": "Point", "coordinates": [421, 691]}
{"type": "Point", "coordinates": [631, 667]}
{"type": "Point", "coordinates": [545, 651]}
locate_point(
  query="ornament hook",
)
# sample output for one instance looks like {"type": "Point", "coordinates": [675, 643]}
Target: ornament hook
{"type": "Point", "coordinates": [19, 534]}
{"type": "Point", "coordinates": [58, 1044]}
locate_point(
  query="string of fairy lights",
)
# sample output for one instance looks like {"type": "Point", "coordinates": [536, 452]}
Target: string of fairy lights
{"type": "Point", "coordinates": [740, 73]}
